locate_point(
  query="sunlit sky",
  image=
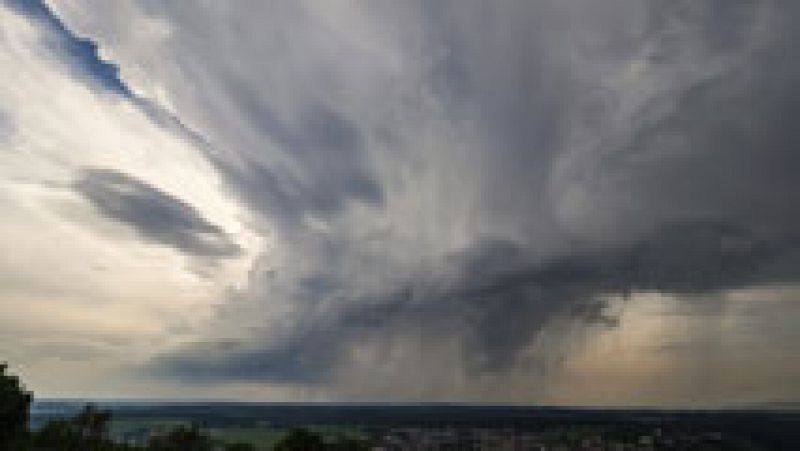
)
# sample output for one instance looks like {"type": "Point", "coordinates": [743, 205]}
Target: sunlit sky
{"type": "Point", "coordinates": [564, 202]}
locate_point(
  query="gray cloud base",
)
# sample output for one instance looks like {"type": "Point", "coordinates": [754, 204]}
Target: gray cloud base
{"type": "Point", "coordinates": [500, 300]}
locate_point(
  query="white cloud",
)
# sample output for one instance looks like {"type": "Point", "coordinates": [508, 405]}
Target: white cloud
{"type": "Point", "coordinates": [68, 272]}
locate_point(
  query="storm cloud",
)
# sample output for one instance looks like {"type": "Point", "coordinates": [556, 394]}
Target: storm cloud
{"type": "Point", "coordinates": [455, 190]}
{"type": "Point", "coordinates": [498, 300]}
{"type": "Point", "coordinates": [642, 151]}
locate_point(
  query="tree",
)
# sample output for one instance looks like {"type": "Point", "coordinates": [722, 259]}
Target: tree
{"type": "Point", "coordinates": [181, 438]}
{"type": "Point", "coordinates": [92, 424]}
{"type": "Point", "coordinates": [240, 447]}
{"type": "Point", "coordinates": [15, 404]}
{"type": "Point", "coordinates": [304, 440]}
{"type": "Point", "coordinates": [87, 431]}
{"type": "Point", "coordinates": [57, 435]}
{"type": "Point", "coordinates": [300, 440]}
{"type": "Point", "coordinates": [348, 444]}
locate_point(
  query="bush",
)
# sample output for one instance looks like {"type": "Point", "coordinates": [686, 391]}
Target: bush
{"type": "Point", "coordinates": [300, 440]}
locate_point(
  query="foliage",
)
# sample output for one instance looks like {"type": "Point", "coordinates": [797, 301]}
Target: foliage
{"type": "Point", "coordinates": [305, 440]}
{"type": "Point", "coordinates": [87, 431]}
{"type": "Point", "coordinates": [347, 444]}
{"type": "Point", "coordinates": [300, 440]}
{"type": "Point", "coordinates": [240, 447]}
{"type": "Point", "coordinates": [14, 406]}
{"type": "Point", "coordinates": [181, 438]}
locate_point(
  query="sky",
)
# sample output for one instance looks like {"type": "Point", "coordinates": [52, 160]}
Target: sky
{"type": "Point", "coordinates": [561, 202]}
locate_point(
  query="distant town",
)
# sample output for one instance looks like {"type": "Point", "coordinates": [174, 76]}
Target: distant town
{"type": "Point", "coordinates": [281, 426]}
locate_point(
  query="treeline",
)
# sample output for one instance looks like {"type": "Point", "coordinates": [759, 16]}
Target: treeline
{"type": "Point", "coordinates": [89, 430]}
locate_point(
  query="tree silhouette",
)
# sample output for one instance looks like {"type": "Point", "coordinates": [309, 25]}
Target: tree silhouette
{"type": "Point", "coordinates": [86, 431]}
{"type": "Point", "coordinates": [92, 424]}
{"type": "Point", "coordinates": [15, 404]}
{"type": "Point", "coordinates": [300, 440]}
{"type": "Point", "coordinates": [240, 447]}
{"type": "Point", "coordinates": [181, 438]}
{"type": "Point", "coordinates": [304, 440]}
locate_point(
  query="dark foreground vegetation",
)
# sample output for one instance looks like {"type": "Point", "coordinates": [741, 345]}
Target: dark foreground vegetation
{"type": "Point", "coordinates": [196, 426]}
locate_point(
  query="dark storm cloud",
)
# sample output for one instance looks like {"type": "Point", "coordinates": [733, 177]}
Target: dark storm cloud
{"type": "Point", "coordinates": [719, 145]}
{"type": "Point", "coordinates": [327, 146]}
{"type": "Point", "coordinates": [154, 214]}
{"type": "Point", "coordinates": [602, 132]}
{"type": "Point", "coordinates": [298, 363]}
{"type": "Point", "coordinates": [693, 258]}
{"type": "Point", "coordinates": [740, 158]}
{"type": "Point", "coordinates": [500, 300]}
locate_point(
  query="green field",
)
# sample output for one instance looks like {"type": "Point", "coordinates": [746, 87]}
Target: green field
{"type": "Point", "coordinates": [263, 438]}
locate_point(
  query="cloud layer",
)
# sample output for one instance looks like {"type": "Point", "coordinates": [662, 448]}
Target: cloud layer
{"type": "Point", "coordinates": [435, 200]}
